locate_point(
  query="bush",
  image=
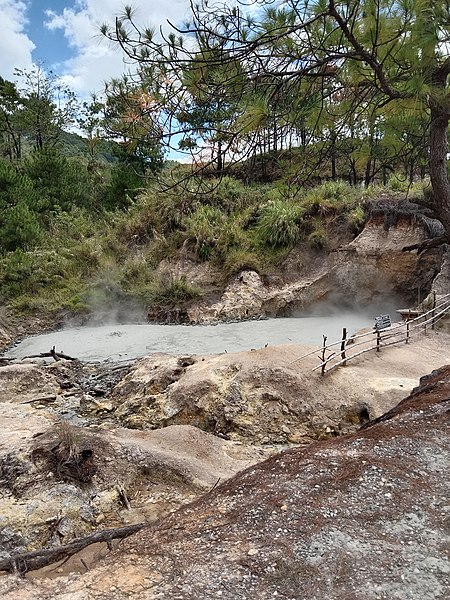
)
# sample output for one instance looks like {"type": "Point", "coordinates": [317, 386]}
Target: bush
{"type": "Point", "coordinates": [74, 225]}
{"type": "Point", "coordinates": [38, 274]}
{"type": "Point", "coordinates": [60, 183]}
{"type": "Point", "coordinates": [356, 218]}
{"type": "Point", "coordinates": [318, 236]}
{"type": "Point", "coordinates": [229, 195]}
{"type": "Point", "coordinates": [398, 183]}
{"type": "Point", "coordinates": [164, 210]}
{"type": "Point", "coordinates": [123, 188]}
{"type": "Point", "coordinates": [168, 291]}
{"type": "Point", "coordinates": [329, 198]}
{"type": "Point", "coordinates": [241, 260]}
{"type": "Point", "coordinates": [20, 228]}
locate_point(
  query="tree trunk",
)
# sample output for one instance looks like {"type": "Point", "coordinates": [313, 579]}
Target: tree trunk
{"type": "Point", "coordinates": [333, 156]}
{"type": "Point", "coordinates": [219, 158]}
{"type": "Point", "coordinates": [438, 166]}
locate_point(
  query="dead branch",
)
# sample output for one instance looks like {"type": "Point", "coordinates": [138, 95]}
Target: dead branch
{"type": "Point", "coordinates": [123, 496]}
{"type": "Point", "coordinates": [49, 398]}
{"type": "Point", "coordinates": [30, 561]}
{"type": "Point", "coordinates": [52, 354]}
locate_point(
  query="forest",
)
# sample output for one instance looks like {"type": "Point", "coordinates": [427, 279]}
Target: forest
{"type": "Point", "coordinates": [249, 129]}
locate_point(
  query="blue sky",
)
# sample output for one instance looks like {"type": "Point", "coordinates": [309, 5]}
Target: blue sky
{"type": "Point", "coordinates": [51, 46]}
{"type": "Point", "coordinates": [64, 36]}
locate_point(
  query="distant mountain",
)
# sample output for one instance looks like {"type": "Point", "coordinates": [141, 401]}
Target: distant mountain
{"type": "Point", "coordinates": [75, 145]}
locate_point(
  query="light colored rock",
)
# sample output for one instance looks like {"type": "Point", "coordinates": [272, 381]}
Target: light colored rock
{"type": "Point", "coordinates": [362, 516]}
{"type": "Point", "coordinates": [370, 267]}
{"type": "Point", "coordinates": [157, 470]}
{"type": "Point", "coordinates": [374, 266]}
{"type": "Point", "coordinates": [22, 381]}
{"type": "Point", "coordinates": [441, 285]}
{"type": "Point", "coordinates": [268, 396]}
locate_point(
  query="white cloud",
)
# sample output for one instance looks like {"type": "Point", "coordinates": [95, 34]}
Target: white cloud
{"type": "Point", "coordinates": [15, 46]}
{"type": "Point", "coordinates": [95, 60]}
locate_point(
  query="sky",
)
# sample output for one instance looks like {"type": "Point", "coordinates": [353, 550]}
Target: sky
{"type": "Point", "coordinates": [63, 36]}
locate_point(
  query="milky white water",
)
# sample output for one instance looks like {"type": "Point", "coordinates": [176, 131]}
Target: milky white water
{"type": "Point", "coordinates": [122, 342]}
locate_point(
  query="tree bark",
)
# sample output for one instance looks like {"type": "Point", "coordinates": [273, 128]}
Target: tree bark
{"type": "Point", "coordinates": [438, 165]}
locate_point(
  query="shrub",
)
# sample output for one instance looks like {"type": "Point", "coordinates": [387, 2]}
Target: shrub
{"type": "Point", "coordinates": [41, 273]}
{"type": "Point", "coordinates": [124, 186]}
{"type": "Point", "coordinates": [164, 210]}
{"type": "Point", "coordinates": [318, 236]}
{"type": "Point", "coordinates": [356, 218]}
{"type": "Point", "coordinates": [137, 227]}
{"type": "Point", "coordinates": [20, 228]}
{"type": "Point", "coordinates": [241, 260]}
{"type": "Point", "coordinates": [329, 198]}
{"type": "Point", "coordinates": [60, 182]}
{"type": "Point", "coordinates": [168, 291]}
{"type": "Point", "coordinates": [398, 183]}
{"type": "Point", "coordinates": [228, 195]}
{"type": "Point", "coordinates": [75, 224]}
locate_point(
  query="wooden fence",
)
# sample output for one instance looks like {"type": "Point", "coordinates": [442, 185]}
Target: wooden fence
{"type": "Point", "coordinates": [348, 348]}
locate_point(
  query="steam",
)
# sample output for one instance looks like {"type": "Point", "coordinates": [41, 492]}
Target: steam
{"type": "Point", "coordinates": [341, 308]}
{"type": "Point", "coordinates": [108, 305]}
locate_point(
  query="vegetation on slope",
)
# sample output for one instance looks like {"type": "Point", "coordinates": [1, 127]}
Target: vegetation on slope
{"type": "Point", "coordinates": [78, 256]}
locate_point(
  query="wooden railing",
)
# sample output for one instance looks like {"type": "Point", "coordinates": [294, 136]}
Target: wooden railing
{"type": "Point", "coordinates": [346, 349]}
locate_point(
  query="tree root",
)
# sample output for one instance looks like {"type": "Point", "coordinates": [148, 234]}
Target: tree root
{"type": "Point", "coordinates": [427, 244]}
{"type": "Point", "coordinates": [30, 561]}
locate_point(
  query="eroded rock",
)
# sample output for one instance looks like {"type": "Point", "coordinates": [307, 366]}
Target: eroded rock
{"type": "Point", "coordinates": [266, 396]}
{"type": "Point", "coordinates": [59, 481]}
{"type": "Point", "coordinates": [361, 516]}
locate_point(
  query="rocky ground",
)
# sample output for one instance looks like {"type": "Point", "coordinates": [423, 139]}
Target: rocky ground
{"type": "Point", "coordinates": [361, 516]}
{"type": "Point", "coordinates": [164, 430]}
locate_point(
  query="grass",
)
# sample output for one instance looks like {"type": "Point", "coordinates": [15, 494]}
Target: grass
{"type": "Point", "coordinates": [279, 224]}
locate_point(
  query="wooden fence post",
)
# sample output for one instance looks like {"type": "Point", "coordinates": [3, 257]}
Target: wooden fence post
{"type": "Point", "coordinates": [344, 339]}
{"type": "Point", "coordinates": [323, 353]}
{"type": "Point", "coordinates": [407, 331]}
{"type": "Point", "coordinates": [378, 340]}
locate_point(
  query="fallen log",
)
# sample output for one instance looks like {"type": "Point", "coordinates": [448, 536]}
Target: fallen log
{"type": "Point", "coordinates": [52, 354]}
{"type": "Point", "coordinates": [30, 561]}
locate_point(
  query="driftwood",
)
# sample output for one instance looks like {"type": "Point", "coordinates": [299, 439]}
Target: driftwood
{"type": "Point", "coordinates": [52, 354]}
{"type": "Point", "coordinates": [49, 398]}
{"type": "Point", "coordinates": [30, 561]}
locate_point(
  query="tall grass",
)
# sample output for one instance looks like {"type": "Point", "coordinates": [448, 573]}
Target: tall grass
{"type": "Point", "coordinates": [279, 224]}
